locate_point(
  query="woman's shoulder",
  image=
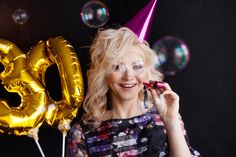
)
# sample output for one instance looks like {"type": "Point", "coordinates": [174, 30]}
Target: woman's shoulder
{"type": "Point", "coordinates": [79, 125]}
{"type": "Point", "coordinates": [86, 127]}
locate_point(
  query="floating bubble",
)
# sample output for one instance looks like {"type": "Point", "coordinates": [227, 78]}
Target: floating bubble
{"type": "Point", "coordinates": [20, 16]}
{"type": "Point", "coordinates": [94, 14]}
{"type": "Point", "coordinates": [172, 55]}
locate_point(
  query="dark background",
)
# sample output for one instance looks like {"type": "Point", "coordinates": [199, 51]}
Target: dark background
{"type": "Point", "coordinates": [206, 86]}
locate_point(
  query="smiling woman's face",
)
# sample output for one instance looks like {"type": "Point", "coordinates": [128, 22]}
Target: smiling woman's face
{"type": "Point", "coordinates": [126, 80]}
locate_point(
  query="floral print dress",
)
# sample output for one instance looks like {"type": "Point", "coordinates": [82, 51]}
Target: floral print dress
{"type": "Point", "coordinates": [142, 135]}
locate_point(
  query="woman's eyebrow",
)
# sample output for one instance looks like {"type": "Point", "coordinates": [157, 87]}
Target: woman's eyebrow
{"type": "Point", "coordinates": [138, 62]}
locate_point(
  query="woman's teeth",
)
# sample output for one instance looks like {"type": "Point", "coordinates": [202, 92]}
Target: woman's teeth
{"type": "Point", "coordinates": [128, 85]}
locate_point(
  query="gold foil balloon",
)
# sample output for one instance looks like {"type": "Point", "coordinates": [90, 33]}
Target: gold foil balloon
{"type": "Point", "coordinates": [17, 77]}
{"type": "Point", "coordinates": [39, 61]}
{"type": "Point", "coordinates": [58, 51]}
{"type": "Point", "coordinates": [63, 54]}
{"type": "Point", "coordinates": [25, 74]}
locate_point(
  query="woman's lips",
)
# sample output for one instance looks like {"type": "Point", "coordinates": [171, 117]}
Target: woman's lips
{"type": "Point", "coordinates": [128, 87]}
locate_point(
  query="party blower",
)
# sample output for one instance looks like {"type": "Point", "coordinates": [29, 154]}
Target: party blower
{"type": "Point", "coordinates": [154, 84]}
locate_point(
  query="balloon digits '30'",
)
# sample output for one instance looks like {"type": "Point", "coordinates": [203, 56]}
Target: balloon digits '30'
{"type": "Point", "coordinates": [25, 74]}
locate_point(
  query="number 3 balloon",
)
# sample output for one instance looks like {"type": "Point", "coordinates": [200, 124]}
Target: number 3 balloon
{"type": "Point", "coordinates": [16, 77]}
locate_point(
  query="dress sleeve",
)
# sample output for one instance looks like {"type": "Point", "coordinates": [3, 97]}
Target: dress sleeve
{"type": "Point", "coordinates": [76, 146]}
{"type": "Point", "coordinates": [194, 152]}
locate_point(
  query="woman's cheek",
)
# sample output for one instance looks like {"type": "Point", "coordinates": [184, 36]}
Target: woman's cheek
{"type": "Point", "coordinates": [142, 77]}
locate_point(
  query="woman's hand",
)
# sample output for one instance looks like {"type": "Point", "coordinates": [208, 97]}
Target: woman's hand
{"type": "Point", "coordinates": [166, 101]}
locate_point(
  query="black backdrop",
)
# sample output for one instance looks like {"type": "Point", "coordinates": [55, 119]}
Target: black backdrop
{"type": "Point", "coordinates": [206, 86]}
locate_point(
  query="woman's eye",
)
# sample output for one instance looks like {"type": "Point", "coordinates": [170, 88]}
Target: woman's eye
{"type": "Point", "coordinates": [117, 68]}
{"type": "Point", "coordinates": [120, 68]}
{"type": "Point", "coordinates": [137, 67]}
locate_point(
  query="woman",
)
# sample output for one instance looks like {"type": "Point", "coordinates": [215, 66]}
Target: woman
{"type": "Point", "coordinates": [122, 116]}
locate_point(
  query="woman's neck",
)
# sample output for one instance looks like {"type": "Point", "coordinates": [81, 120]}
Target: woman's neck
{"type": "Point", "coordinates": [126, 109]}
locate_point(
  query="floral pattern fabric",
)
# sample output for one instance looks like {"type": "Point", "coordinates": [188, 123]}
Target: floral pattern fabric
{"type": "Point", "coordinates": [142, 135]}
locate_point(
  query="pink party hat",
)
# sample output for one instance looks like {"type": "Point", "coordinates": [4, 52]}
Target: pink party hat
{"type": "Point", "coordinates": [140, 23]}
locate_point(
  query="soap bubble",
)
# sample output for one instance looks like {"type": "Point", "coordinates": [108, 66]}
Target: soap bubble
{"type": "Point", "coordinates": [20, 16]}
{"type": "Point", "coordinates": [94, 14]}
{"type": "Point", "coordinates": [172, 55]}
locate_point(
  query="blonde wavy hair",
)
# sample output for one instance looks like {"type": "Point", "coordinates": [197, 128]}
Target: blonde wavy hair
{"type": "Point", "coordinates": [107, 49]}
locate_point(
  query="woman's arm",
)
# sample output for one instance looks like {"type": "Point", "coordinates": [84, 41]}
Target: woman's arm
{"type": "Point", "coordinates": [176, 138]}
{"type": "Point", "coordinates": [76, 146]}
{"type": "Point", "coordinates": [167, 103]}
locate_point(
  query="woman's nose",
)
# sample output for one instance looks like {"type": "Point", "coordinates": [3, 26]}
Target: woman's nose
{"type": "Point", "coordinates": [128, 74]}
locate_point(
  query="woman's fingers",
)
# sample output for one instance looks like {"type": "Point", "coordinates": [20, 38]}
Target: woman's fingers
{"type": "Point", "coordinates": [167, 86]}
{"type": "Point", "coordinates": [158, 89]}
{"type": "Point", "coordinates": [164, 98]}
{"type": "Point", "coordinates": [171, 95]}
{"type": "Point", "coordinates": [154, 93]}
